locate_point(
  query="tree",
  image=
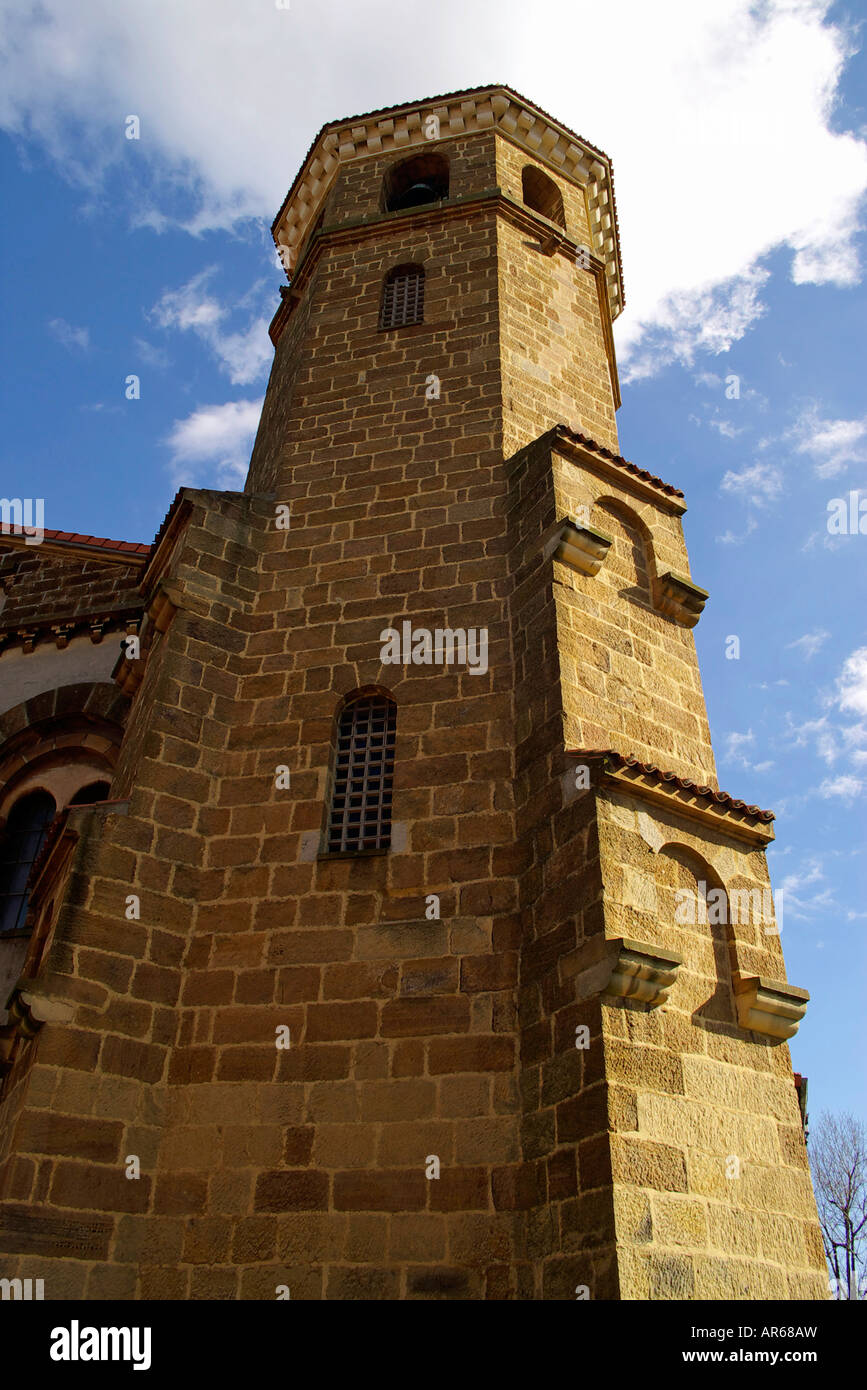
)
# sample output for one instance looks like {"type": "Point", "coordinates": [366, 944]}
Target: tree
{"type": "Point", "coordinates": [838, 1157]}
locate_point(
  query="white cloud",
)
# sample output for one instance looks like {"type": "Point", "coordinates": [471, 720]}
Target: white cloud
{"type": "Point", "coordinates": [152, 356]}
{"type": "Point", "coordinates": [818, 731]}
{"type": "Point", "coordinates": [725, 428]}
{"type": "Point", "coordinates": [70, 336]}
{"type": "Point", "coordinates": [759, 483]}
{"type": "Point", "coordinates": [243, 356]}
{"type": "Point", "coordinates": [687, 322]}
{"type": "Point", "coordinates": [846, 787]}
{"type": "Point", "coordinates": [853, 683]}
{"type": "Point", "coordinates": [798, 903]}
{"type": "Point", "coordinates": [809, 644]}
{"type": "Point", "coordinates": [735, 745]}
{"type": "Point", "coordinates": [732, 538]}
{"type": "Point", "coordinates": [833, 444]}
{"type": "Point", "coordinates": [832, 738]}
{"type": "Point", "coordinates": [212, 446]}
{"type": "Point", "coordinates": [719, 123]}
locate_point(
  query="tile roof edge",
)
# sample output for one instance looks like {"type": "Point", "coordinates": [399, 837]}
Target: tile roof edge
{"type": "Point", "coordinates": [78, 538]}
{"type": "Point", "coordinates": [564, 431]}
{"type": "Point", "coordinates": [720, 798]}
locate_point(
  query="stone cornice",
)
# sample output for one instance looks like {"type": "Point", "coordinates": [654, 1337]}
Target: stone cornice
{"type": "Point", "coordinates": [62, 630]}
{"type": "Point", "coordinates": [400, 129]}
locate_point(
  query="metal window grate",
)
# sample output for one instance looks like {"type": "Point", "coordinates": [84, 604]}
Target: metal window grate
{"type": "Point", "coordinates": [363, 775]}
{"type": "Point", "coordinates": [403, 297]}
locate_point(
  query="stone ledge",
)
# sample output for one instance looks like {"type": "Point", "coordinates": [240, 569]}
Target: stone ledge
{"type": "Point", "coordinates": [582, 548]}
{"type": "Point", "coordinates": [621, 968]}
{"type": "Point", "coordinates": [772, 1007]}
{"type": "Point", "coordinates": [678, 598]}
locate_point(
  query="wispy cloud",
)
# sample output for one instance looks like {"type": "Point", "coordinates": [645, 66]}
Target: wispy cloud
{"type": "Point", "coordinates": [809, 644]}
{"type": "Point", "coordinates": [759, 483]}
{"type": "Point", "coordinates": [69, 336]}
{"type": "Point", "coordinates": [244, 356]}
{"type": "Point", "coordinates": [832, 444]}
{"type": "Point", "coordinates": [150, 355]}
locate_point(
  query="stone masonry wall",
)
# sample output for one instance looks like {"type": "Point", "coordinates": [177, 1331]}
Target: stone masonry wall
{"type": "Point", "coordinates": [630, 674]}
{"type": "Point", "coordinates": [712, 1190]}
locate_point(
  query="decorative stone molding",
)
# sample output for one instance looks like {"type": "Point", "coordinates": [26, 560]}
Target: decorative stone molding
{"type": "Point", "coordinates": [401, 129]}
{"type": "Point", "coordinates": [62, 632]}
{"type": "Point", "coordinates": [621, 968]}
{"type": "Point", "coordinates": [678, 598]}
{"type": "Point", "coordinates": [582, 548]}
{"type": "Point", "coordinates": [772, 1007]}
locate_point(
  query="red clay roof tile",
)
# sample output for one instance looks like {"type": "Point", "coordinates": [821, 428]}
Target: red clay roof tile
{"type": "Point", "coordinates": [625, 760]}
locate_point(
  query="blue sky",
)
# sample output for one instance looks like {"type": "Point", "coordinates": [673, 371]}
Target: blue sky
{"type": "Point", "coordinates": [739, 139]}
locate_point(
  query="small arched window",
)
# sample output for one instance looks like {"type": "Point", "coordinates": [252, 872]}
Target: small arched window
{"type": "Point", "coordinates": [402, 297]}
{"type": "Point", "coordinates": [424, 178]}
{"type": "Point", "coordinates": [94, 791]}
{"type": "Point", "coordinates": [542, 195]}
{"type": "Point", "coordinates": [360, 817]}
{"type": "Point", "coordinates": [22, 840]}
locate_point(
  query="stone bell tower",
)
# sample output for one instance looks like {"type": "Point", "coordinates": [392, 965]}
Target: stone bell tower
{"type": "Point", "coordinates": [516, 949]}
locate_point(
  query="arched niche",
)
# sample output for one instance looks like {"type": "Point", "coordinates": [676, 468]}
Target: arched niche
{"type": "Point", "coordinates": [541, 193]}
{"type": "Point", "coordinates": [421, 179]}
{"type": "Point", "coordinates": [694, 903]}
{"type": "Point", "coordinates": [630, 563]}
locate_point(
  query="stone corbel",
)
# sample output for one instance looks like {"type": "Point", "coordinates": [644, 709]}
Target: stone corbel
{"type": "Point", "coordinates": [28, 1011]}
{"type": "Point", "coordinates": [678, 598]}
{"type": "Point", "coordinates": [62, 633]}
{"type": "Point", "coordinates": [620, 968]}
{"type": "Point", "coordinates": [29, 638]}
{"type": "Point", "coordinates": [771, 1007]}
{"type": "Point", "coordinates": [162, 609]}
{"type": "Point", "coordinates": [582, 548]}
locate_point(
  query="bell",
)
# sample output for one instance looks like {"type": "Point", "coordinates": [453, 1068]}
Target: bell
{"type": "Point", "coordinates": [416, 194]}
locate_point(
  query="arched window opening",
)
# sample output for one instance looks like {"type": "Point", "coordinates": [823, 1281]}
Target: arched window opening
{"type": "Point", "coordinates": [94, 791]}
{"type": "Point", "coordinates": [402, 297]}
{"type": "Point", "coordinates": [360, 816]}
{"type": "Point", "coordinates": [542, 195]}
{"type": "Point", "coordinates": [422, 179]}
{"type": "Point", "coordinates": [23, 838]}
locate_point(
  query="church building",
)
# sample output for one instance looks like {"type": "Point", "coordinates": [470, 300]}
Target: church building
{"type": "Point", "coordinates": [372, 924]}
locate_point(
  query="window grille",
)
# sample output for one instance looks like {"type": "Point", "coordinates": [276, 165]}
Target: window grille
{"type": "Point", "coordinates": [403, 297]}
{"type": "Point", "coordinates": [363, 774]}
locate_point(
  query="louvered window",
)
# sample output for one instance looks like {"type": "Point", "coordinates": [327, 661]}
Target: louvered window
{"type": "Point", "coordinates": [364, 769]}
{"type": "Point", "coordinates": [403, 297]}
